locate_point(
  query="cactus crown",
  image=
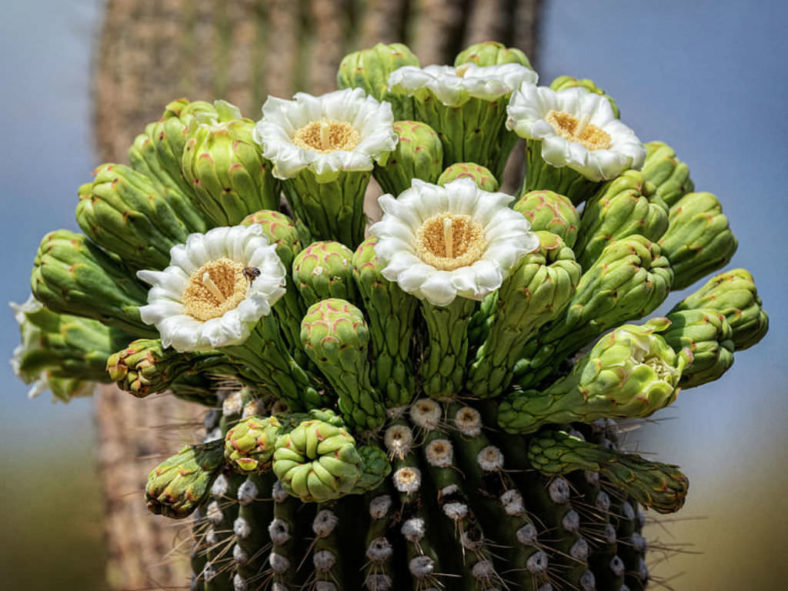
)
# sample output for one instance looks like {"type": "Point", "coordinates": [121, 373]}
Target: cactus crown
{"type": "Point", "coordinates": [432, 406]}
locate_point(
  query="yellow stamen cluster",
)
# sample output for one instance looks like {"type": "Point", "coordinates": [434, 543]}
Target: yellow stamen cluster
{"type": "Point", "coordinates": [327, 135]}
{"type": "Point", "coordinates": [214, 289]}
{"type": "Point", "coordinates": [578, 130]}
{"type": "Point", "coordinates": [447, 241]}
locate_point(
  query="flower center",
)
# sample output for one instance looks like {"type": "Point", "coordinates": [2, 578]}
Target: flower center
{"type": "Point", "coordinates": [214, 289]}
{"type": "Point", "coordinates": [447, 241]}
{"type": "Point", "coordinates": [578, 130]}
{"type": "Point", "coordinates": [327, 135]}
{"type": "Point", "coordinates": [662, 369]}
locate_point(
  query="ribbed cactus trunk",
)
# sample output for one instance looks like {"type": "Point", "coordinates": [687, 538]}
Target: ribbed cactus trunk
{"type": "Point", "coordinates": [240, 50]}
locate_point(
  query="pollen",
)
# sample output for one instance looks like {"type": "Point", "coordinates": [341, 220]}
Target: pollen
{"type": "Point", "coordinates": [447, 241]}
{"type": "Point", "coordinates": [578, 130]}
{"type": "Point", "coordinates": [214, 289]}
{"type": "Point", "coordinates": [327, 135]}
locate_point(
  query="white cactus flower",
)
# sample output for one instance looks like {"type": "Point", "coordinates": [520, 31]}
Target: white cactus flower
{"type": "Point", "coordinates": [438, 243]}
{"type": "Point", "coordinates": [217, 287]}
{"type": "Point", "coordinates": [455, 86]}
{"type": "Point", "coordinates": [577, 128]}
{"type": "Point", "coordinates": [344, 130]}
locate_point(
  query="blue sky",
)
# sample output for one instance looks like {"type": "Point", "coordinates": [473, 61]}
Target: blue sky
{"type": "Point", "coordinates": [709, 78]}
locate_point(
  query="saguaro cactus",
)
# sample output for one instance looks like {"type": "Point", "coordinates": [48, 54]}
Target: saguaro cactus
{"type": "Point", "coordinates": [437, 422]}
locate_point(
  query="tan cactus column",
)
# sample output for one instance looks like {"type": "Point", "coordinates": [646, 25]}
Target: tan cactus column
{"type": "Point", "coordinates": [152, 52]}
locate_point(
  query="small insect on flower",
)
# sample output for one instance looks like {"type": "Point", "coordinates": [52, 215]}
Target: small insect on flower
{"type": "Point", "coordinates": [251, 273]}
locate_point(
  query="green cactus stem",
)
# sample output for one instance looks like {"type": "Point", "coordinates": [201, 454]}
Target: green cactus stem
{"type": "Point", "coordinates": [335, 336]}
{"type": "Point", "coordinates": [535, 293]}
{"type": "Point", "coordinates": [390, 314]}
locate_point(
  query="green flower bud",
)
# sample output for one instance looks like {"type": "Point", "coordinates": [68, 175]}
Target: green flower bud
{"type": "Point", "coordinates": [370, 68]}
{"type": "Point", "coordinates": [622, 207]}
{"type": "Point", "coordinates": [418, 155]}
{"type": "Point", "coordinates": [178, 485]}
{"type": "Point", "coordinates": [706, 338]}
{"type": "Point", "coordinates": [535, 293]}
{"type": "Point", "coordinates": [230, 178]}
{"type": "Point", "coordinates": [629, 280]}
{"type": "Point", "coordinates": [661, 487]}
{"type": "Point", "coordinates": [249, 445]}
{"type": "Point", "coordinates": [283, 232]}
{"type": "Point", "coordinates": [158, 153]}
{"type": "Point", "coordinates": [335, 338]}
{"type": "Point", "coordinates": [144, 367]}
{"type": "Point", "coordinates": [491, 53]}
{"type": "Point", "coordinates": [59, 352]}
{"type": "Point", "coordinates": [478, 174]}
{"type": "Point", "coordinates": [323, 270]}
{"type": "Point", "coordinates": [699, 240]}
{"type": "Point", "coordinates": [391, 314]}
{"type": "Point", "coordinates": [670, 176]}
{"type": "Point", "coordinates": [550, 212]}
{"type": "Point", "coordinates": [71, 275]}
{"type": "Point", "coordinates": [317, 462]}
{"type": "Point", "coordinates": [734, 295]}
{"type": "Point", "coordinates": [123, 212]}
{"type": "Point", "coordinates": [630, 372]}
{"type": "Point", "coordinates": [563, 82]}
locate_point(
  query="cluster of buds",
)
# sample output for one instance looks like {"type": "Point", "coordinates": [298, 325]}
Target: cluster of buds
{"type": "Point", "coordinates": [428, 401]}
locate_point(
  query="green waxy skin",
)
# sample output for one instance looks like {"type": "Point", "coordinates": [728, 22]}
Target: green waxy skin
{"type": "Point", "coordinates": [707, 338]}
{"type": "Point", "coordinates": [323, 270]}
{"type": "Point", "coordinates": [229, 176]}
{"type": "Point", "coordinates": [550, 212]}
{"type": "Point", "coordinates": [629, 280]}
{"type": "Point", "coordinates": [418, 155]}
{"type": "Point", "coordinates": [483, 178]}
{"type": "Point", "coordinates": [630, 372]}
{"type": "Point", "coordinates": [370, 69]}
{"type": "Point", "coordinates": [335, 337]}
{"type": "Point", "coordinates": [491, 53]}
{"type": "Point", "coordinates": [122, 211]}
{"type": "Point", "coordinates": [654, 485]}
{"type": "Point", "coordinates": [540, 176]}
{"type": "Point", "coordinates": [564, 82]}
{"type": "Point", "coordinates": [734, 295]}
{"type": "Point", "coordinates": [622, 207]}
{"type": "Point", "coordinates": [535, 293]}
{"type": "Point", "coordinates": [65, 347]}
{"type": "Point", "coordinates": [332, 209]}
{"type": "Point", "coordinates": [283, 233]}
{"type": "Point", "coordinates": [670, 176]}
{"type": "Point", "coordinates": [699, 240]}
{"type": "Point", "coordinates": [446, 351]}
{"type": "Point", "coordinates": [390, 314]}
{"type": "Point", "coordinates": [178, 485]}
{"type": "Point", "coordinates": [71, 275]}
